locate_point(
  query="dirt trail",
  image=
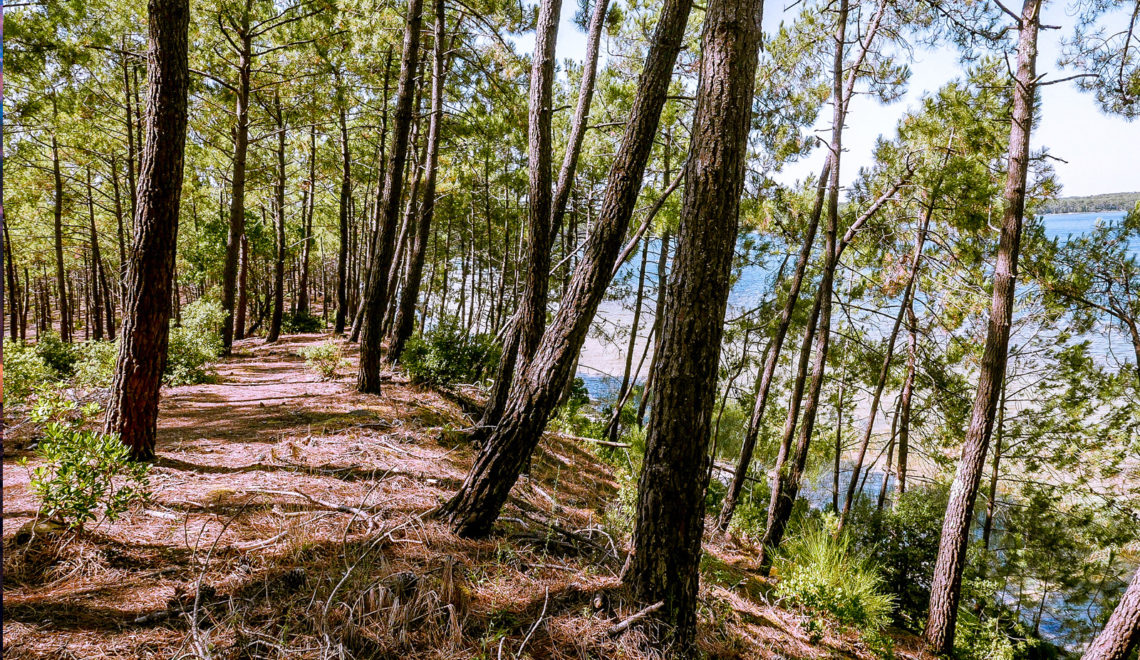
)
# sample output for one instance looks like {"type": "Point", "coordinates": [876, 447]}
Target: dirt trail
{"type": "Point", "coordinates": [295, 510]}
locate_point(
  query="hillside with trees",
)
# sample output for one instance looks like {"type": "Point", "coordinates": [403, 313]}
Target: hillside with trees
{"type": "Point", "coordinates": [373, 329]}
{"type": "Point", "coordinates": [1092, 203]}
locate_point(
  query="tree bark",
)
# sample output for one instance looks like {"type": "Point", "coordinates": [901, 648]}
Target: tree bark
{"type": "Point", "coordinates": [237, 185]}
{"type": "Point", "coordinates": [405, 314]}
{"type": "Point", "coordinates": [1122, 632]}
{"type": "Point", "coordinates": [884, 370]}
{"type": "Point", "coordinates": [945, 591]}
{"type": "Point", "coordinates": [242, 295]}
{"type": "Point", "coordinates": [132, 410]}
{"type": "Point", "coordinates": [60, 273]}
{"type": "Point", "coordinates": [345, 195]}
{"type": "Point", "coordinates": [995, 472]}
{"type": "Point", "coordinates": [535, 394]}
{"type": "Point", "coordinates": [671, 490]}
{"type": "Point", "coordinates": [748, 446]}
{"type": "Point", "coordinates": [279, 220]}
{"type": "Point", "coordinates": [368, 379]}
{"type": "Point", "coordinates": [96, 264]}
{"type": "Point", "coordinates": [308, 198]}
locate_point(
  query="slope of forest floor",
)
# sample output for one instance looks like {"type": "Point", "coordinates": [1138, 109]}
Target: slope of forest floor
{"type": "Point", "coordinates": [291, 518]}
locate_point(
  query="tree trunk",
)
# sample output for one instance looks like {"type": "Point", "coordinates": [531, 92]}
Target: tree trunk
{"type": "Point", "coordinates": [308, 198]}
{"type": "Point", "coordinates": [615, 420]}
{"type": "Point", "coordinates": [785, 479]}
{"type": "Point", "coordinates": [345, 195]}
{"type": "Point", "coordinates": [60, 273]}
{"type": "Point", "coordinates": [732, 497]}
{"type": "Point", "coordinates": [474, 508]}
{"type": "Point", "coordinates": [671, 490]}
{"type": "Point", "coordinates": [945, 591]}
{"type": "Point", "coordinates": [279, 220]}
{"type": "Point", "coordinates": [96, 261]}
{"type": "Point", "coordinates": [907, 396]}
{"type": "Point", "coordinates": [13, 295]}
{"type": "Point", "coordinates": [991, 494]}
{"type": "Point", "coordinates": [405, 315]}
{"type": "Point", "coordinates": [131, 148]}
{"type": "Point", "coordinates": [1122, 632]}
{"type": "Point", "coordinates": [237, 186]}
{"type": "Point", "coordinates": [132, 410]}
{"type": "Point", "coordinates": [658, 316]}
{"type": "Point", "coordinates": [884, 370]}
{"type": "Point", "coordinates": [376, 302]}
{"type": "Point", "coordinates": [243, 296]}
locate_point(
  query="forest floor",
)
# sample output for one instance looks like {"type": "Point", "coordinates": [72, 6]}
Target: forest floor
{"type": "Point", "coordinates": [291, 518]}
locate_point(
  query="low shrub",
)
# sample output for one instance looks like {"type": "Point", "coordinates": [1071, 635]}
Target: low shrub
{"type": "Point", "coordinates": [903, 541]}
{"type": "Point", "coordinates": [59, 355]}
{"type": "Point", "coordinates": [324, 358]}
{"type": "Point", "coordinates": [24, 371]}
{"type": "Point", "coordinates": [821, 572]}
{"type": "Point", "coordinates": [301, 324]}
{"type": "Point", "coordinates": [83, 472]}
{"type": "Point", "coordinates": [446, 355]}
{"type": "Point", "coordinates": [195, 345]}
{"type": "Point", "coordinates": [95, 366]}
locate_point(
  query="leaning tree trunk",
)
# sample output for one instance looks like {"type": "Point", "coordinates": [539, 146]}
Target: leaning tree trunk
{"type": "Point", "coordinates": [278, 211]}
{"type": "Point", "coordinates": [530, 319]}
{"type": "Point", "coordinates": [405, 314]}
{"type": "Point", "coordinates": [376, 302]}
{"type": "Point", "coordinates": [671, 490]}
{"type": "Point", "coordinates": [237, 188]}
{"type": "Point", "coordinates": [946, 586]}
{"type": "Point", "coordinates": [132, 411]}
{"type": "Point", "coordinates": [785, 477]}
{"type": "Point", "coordinates": [505, 375]}
{"type": "Point", "coordinates": [1122, 632]}
{"type": "Point", "coordinates": [536, 392]}
{"type": "Point", "coordinates": [748, 447]}
{"type": "Point", "coordinates": [884, 370]}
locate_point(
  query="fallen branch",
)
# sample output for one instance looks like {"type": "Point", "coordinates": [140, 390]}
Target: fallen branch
{"type": "Point", "coordinates": [604, 443]}
{"type": "Point", "coordinates": [342, 508]}
{"type": "Point", "coordinates": [621, 627]}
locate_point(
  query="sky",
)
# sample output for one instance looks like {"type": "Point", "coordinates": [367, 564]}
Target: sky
{"type": "Point", "coordinates": [1101, 153]}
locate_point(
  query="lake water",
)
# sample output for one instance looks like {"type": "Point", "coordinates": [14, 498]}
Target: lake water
{"type": "Point", "coordinates": [603, 359]}
{"type": "Point", "coordinates": [603, 356]}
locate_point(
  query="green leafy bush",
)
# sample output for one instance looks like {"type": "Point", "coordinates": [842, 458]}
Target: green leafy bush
{"type": "Point", "coordinates": [822, 573]}
{"type": "Point", "coordinates": [324, 358]}
{"type": "Point", "coordinates": [95, 365]}
{"type": "Point", "coordinates": [83, 472]}
{"type": "Point", "coordinates": [195, 345]}
{"type": "Point", "coordinates": [903, 541]}
{"type": "Point", "coordinates": [446, 355]}
{"type": "Point", "coordinates": [59, 355]}
{"type": "Point", "coordinates": [301, 323]}
{"type": "Point", "coordinates": [24, 371]}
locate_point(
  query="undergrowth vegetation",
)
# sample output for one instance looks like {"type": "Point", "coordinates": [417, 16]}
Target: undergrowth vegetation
{"type": "Point", "coordinates": [446, 355]}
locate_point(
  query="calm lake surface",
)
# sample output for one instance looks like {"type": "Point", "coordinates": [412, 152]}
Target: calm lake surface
{"type": "Point", "coordinates": [603, 356]}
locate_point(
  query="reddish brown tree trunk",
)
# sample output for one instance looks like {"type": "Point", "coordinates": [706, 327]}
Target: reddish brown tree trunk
{"type": "Point", "coordinates": [279, 221]}
{"type": "Point", "coordinates": [671, 490]}
{"type": "Point", "coordinates": [237, 184]}
{"type": "Point", "coordinates": [946, 586]}
{"type": "Point", "coordinates": [405, 315]}
{"type": "Point", "coordinates": [376, 303]}
{"type": "Point", "coordinates": [1122, 632]}
{"type": "Point", "coordinates": [133, 407]}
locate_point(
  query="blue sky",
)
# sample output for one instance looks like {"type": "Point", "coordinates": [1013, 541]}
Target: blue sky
{"type": "Point", "coordinates": [1102, 151]}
